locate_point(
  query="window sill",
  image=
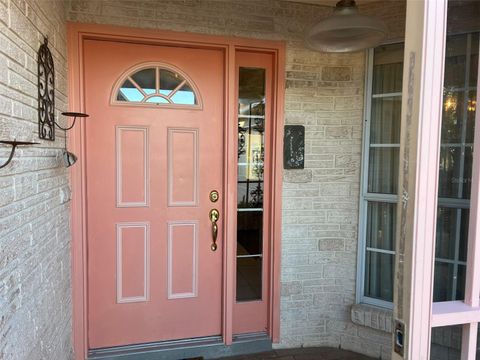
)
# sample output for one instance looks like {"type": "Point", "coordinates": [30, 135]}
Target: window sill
{"type": "Point", "coordinates": [372, 317]}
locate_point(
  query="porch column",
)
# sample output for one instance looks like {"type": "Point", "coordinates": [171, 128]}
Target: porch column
{"type": "Point", "coordinates": [418, 180]}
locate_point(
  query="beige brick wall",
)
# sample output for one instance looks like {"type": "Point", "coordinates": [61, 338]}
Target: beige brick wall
{"type": "Point", "coordinates": [35, 300]}
{"type": "Point", "coordinates": [325, 93]}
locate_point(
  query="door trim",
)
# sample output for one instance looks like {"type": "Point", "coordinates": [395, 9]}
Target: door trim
{"type": "Point", "coordinates": [77, 33]}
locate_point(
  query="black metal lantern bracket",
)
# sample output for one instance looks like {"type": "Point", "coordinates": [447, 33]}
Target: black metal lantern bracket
{"type": "Point", "coordinates": [68, 157]}
{"type": "Point", "coordinates": [75, 115]}
{"type": "Point", "coordinates": [14, 145]}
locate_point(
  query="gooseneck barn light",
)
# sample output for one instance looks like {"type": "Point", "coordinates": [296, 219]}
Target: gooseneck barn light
{"type": "Point", "coordinates": [346, 30]}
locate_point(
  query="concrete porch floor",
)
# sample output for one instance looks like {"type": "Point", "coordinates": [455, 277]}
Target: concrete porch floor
{"type": "Point", "coordinates": [313, 353]}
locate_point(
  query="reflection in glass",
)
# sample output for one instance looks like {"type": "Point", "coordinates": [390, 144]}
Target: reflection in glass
{"type": "Point", "coordinates": [249, 233]}
{"type": "Point", "coordinates": [451, 254]}
{"type": "Point", "coordinates": [455, 168]}
{"type": "Point", "coordinates": [449, 281]}
{"type": "Point", "coordinates": [383, 170]}
{"type": "Point", "coordinates": [128, 92]}
{"type": "Point", "coordinates": [146, 80]}
{"type": "Point", "coordinates": [446, 343]}
{"type": "Point", "coordinates": [379, 275]}
{"type": "Point", "coordinates": [381, 221]}
{"type": "Point", "coordinates": [158, 86]}
{"type": "Point", "coordinates": [455, 61]}
{"type": "Point", "coordinates": [452, 183]}
{"type": "Point", "coordinates": [184, 95]}
{"type": "Point", "coordinates": [471, 108]}
{"type": "Point", "coordinates": [467, 172]}
{"type": "Point", "coordinates": [443, 281]}
{"type": "Point", "coordinates": [452, 116]}
{"type": "Point", "coordinates": [168, 81]}
{"type": "Point", "coordinates": [249, 278]}
{"type": "Point", "coordinates": [474, 61]}
{"type": "Point", "coordinates": [446, 232]}
{"type": "Point", "coordinates": [449, 171]}
{"type": "Point", "coordinates": [250, 186]}
{"type": "Point", "coordinates": [250, 194]}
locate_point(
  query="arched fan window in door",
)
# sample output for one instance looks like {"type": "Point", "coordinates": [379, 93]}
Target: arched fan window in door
{"type": "Point", "coordinates": [155, 84]}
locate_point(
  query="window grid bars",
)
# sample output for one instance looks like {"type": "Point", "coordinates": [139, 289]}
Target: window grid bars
{"type": "Point", "coordinates": [365, 197]}
{"type": "Point", "coordinates": [462, 168]}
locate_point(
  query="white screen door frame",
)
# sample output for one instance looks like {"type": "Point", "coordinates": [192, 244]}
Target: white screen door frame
{"type": "Point", "coordinates": [414, 312]}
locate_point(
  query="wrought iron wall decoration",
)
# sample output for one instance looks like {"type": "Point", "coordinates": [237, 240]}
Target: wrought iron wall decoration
{"type": "Point", "coordinates": [46, 93]}
{"type": "Point", "coordinates": [14, 145]}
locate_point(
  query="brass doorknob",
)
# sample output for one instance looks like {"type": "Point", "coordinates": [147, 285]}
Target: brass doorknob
{"type": "Point", "coordinates": [214, 215]}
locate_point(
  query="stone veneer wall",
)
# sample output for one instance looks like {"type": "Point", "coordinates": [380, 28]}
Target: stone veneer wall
{"type": "Point", "coordinates": [35, 291]}
{"type": "Point", "coordinates": [324, 92]}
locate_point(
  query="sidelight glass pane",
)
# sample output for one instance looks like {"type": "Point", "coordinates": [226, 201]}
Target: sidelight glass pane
{"type": "Point", "coordinates": [249, 233]}
{"type": "Point", "coordinates": [250, 182]}
{"type": "Point", "coordinates": [381, 220]}
{"type": "Point", "coordinates": [249, 278]}
{"type": "Point", "coordinates": [379, 269]}
{"type": "Point", "coordinates": [385, 121]}
{"type": "Point", "coordinates": [383, 170]}
{"type": "Point", "coordinates": [250, 194]}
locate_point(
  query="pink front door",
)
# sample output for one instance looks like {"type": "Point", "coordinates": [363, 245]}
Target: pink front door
{"type": "Point", "coordinates": [154, 145]}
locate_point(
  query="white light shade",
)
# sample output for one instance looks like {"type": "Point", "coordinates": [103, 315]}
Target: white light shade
{"type": "Point", "coordinates": [346, 31]}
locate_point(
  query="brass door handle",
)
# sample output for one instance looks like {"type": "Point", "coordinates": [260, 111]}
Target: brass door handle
{"type": "Point", "coordinates": [214, 215]}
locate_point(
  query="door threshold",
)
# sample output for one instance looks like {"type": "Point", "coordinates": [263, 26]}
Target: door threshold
{"type": "Point", "coordinates": [210, 347]}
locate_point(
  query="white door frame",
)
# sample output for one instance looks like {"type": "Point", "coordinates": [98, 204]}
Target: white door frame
{"type": "Point", "coordinates": [425, 37]}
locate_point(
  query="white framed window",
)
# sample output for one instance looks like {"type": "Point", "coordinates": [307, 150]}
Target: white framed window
{"type": "Point", "coordinates": [379, 193]}
{"type": "Point", "coordinates": [378, 202]}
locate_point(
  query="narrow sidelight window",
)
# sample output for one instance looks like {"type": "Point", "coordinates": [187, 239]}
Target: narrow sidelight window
{"type": "Point", "coordinates": [251, 155]}
{"type": "Point", "coordinates": [380, 174]}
